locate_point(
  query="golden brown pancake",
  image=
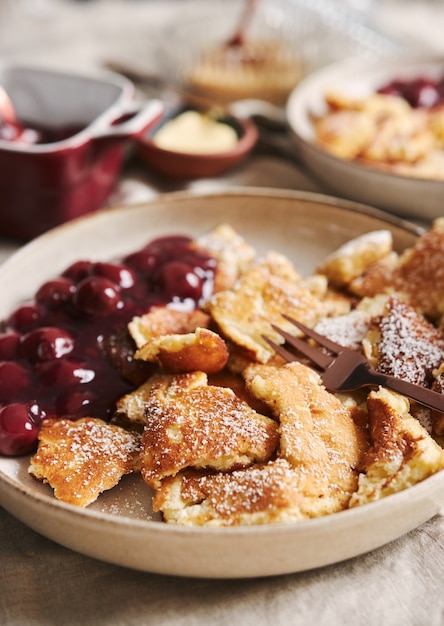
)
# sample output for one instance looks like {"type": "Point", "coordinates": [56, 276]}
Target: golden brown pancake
{"type": "Point", "coordinates": [260, 297]}
{"type": "Point", "coordinates": [161, 321]}
{"type": "Point", "coordinates": [82, 459]}
{"type": "Point", "coordinates": [130, 408]}
{"type": "Point", "coordinates": [418, 274]}
{"type": "Point", "coordinates": [233, 253]}
{"type": "Point", "coordinates": [404, 344]}
{"type": "Point", "coordinates": [354, 257]}
{"type": "Point", "coordinates": [376, 279]}
{"type": "Point", "coordinates": [315, 473]}
{"type": "Point", "coordinates": [402, 452]}
{"type": "Point", "coordinates": [191, 424]}
{"type": "Point", "coordinates": [383, 131]}
{"type": "Point", "coordinates": [261, 494]}
{"type": "Point", "coordinates": [318, 435]}
{"type": "Point", "coordinates": [203, 350]}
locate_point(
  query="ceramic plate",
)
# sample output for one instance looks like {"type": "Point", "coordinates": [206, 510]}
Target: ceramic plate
{"type": "Point", "coordinates": [120, 527]}
{"type": "Point", "coordinates": [406, 196]}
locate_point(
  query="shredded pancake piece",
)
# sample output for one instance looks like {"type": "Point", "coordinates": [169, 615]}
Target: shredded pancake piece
{"type": "Point", "coordinates": [354, 257]}
{"type": "Point", "coordinates": [193, 424]}
{"type": "Point", "coordinates": [405, 345]}
{"type": "Point", "coordinates": [417, 275]}
{"type": "Point", "coordinates": [161, 321]}
{"type": "Point", "coordinates": [318, 435]}
{"type": "Point", "coordinates": [260, 297]}
{"type": "Point", "coordinates": [130, 408]}
{"type": "Point", "coordinates": [420, 273]}
{"type": "Point", "coordinates": [346, 330]}
{"type": "Point", "coordinates": [402, 452]}
{"type": "Point", "coordinates": [234, 255]}
{"type": "Point", "coordinates": [82, 459]}
{"type": "Point", "coordinates": [261, 494]}
{"type": "Point", "coordinates": [377, 279]}
{"type": "Point", "coordinates": [203, 350]}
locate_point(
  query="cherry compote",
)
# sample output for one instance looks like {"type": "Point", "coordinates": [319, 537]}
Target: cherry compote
{"type": "Point", "coordinates": [67, 353]}
{"type": "Point", "coordinates": [422, 92]}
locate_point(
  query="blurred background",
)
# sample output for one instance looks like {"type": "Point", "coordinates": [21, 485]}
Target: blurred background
{"type": "Point", "coordinates": [83, 32]}
{"type": "Point", "coordinates": [155, 42]}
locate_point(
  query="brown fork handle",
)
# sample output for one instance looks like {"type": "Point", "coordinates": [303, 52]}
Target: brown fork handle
{"type": "Point", "coordinates": [424, 396]}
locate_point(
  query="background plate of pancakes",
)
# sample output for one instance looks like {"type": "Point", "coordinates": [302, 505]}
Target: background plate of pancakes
{"type": "Point", "coordinates": [405, 195]}
{"type": "Point", "coordinates": [120, 527]}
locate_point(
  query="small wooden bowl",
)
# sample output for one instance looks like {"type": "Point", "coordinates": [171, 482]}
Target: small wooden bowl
{"type": "Point", "coordinates": [182, 166]}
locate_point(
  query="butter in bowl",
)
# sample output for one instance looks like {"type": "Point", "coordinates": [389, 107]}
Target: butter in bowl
{"type": "Point", "coordinates": [192, 143]}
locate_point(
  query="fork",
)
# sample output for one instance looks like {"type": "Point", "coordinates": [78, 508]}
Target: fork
{"type": "Point", "coordinates": [347, 370]}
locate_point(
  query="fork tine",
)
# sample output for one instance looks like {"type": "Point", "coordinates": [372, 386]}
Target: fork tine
{"type": "Point", "coordinates": [286, 354]}
{"type": "Point", "coordinates": [321, 359]}
{"type": "Point", "coordinates": [320, 339]}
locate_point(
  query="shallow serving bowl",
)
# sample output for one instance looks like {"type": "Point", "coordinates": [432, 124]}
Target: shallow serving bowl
{"type": "Point", "coordinates": [410, 197]}
{"type": "Point", "coordinates": [121, 527]}
{"type": "Point", "coordinates": [42, 185]}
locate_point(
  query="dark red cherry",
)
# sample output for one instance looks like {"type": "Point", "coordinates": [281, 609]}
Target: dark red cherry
{"type": "Point", "coordinates": [45, 344]}
{"type": "Point", "coordinates": [158, 252]}
{"type": "Point", "coordinates": [74, 404]}
{"type": "Point", "coordinates": [19, 427]}
{"type": "Point", "coordinates": [179, 280]}
{"type": "Point", "coordinates": [9, 345]}
{"type": "Point", "coordinates": [78, 271]}
{"type": "Point", "coordinates": [15, 379]}
{"type": "Point", "coordinates": [55, 293]}
{"type": "Point", "coordinates": [25, 317]}
{"type": "Point", "coordinates": [169, 247]}
{"type": "Point", "coordinates": [64, 372]}
{"type": "Point", "coordinates": [142, 261]}
{"type": "Point", "coordinates": [121, 275]}
{"type": "Point", "coordinates": [96, 296]}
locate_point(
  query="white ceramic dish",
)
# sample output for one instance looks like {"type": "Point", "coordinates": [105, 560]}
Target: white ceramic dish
{"type": "Point", "coordinates": [406, 196]}
{"type": "Point", "coordinates": [120, 526]}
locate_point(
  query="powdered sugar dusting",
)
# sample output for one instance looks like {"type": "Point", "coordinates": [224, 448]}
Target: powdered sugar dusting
{"type": "Point", "coordinates": [346, 330]}
{"type": "Point", "coordinates": [83, 458]}
{"type": "Point", "coordinates": [409, 348]}
{"type": "Point", "coordinates": [205, 426]}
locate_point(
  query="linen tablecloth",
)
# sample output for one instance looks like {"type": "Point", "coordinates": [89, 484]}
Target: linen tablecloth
{"type": "Point", "coordinates": [44, 584]}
